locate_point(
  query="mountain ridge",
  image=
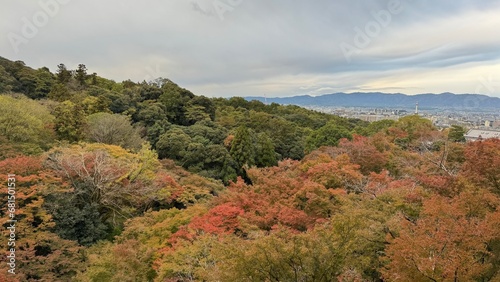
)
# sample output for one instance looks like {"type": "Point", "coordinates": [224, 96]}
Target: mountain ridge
{"type": "Point", "coordinates": [379, 99]}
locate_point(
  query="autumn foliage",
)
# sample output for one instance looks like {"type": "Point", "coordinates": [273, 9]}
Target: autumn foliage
{"type": "Point", "coordinates": [124, 181]}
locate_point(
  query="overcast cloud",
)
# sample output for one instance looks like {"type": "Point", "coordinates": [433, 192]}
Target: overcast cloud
{"type": "Point", "coordinates": [273, 47]}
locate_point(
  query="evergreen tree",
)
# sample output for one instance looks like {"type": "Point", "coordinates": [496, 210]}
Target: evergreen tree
{"type": "Point", "coordinates": [265, 154]}
{"type": "Point", "coordinates": [242, 149]}
{"type": "Point", "coordinates": [63, 74]}
{"type": "Point", "coordinates": [70, 121]}
{"type": "Point", "coordinates": [456, 134]}
{"type": "Point", "coordinates": [59, 92]}
{"type": "Point", "coordinates": [81, 74]}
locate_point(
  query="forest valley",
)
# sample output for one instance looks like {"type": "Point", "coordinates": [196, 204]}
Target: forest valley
{"type": "Point", "coordinates": [149, 182]}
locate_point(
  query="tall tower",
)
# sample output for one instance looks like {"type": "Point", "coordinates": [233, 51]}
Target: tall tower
{"type": "Point", "coordinates": [416, 109]}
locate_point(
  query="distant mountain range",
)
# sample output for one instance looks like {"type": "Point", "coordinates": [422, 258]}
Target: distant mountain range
{"type": "Point", "coordinates": [384, 100]}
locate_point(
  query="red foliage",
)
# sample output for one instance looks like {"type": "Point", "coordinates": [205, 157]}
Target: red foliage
{"type": "Point", "coordinates": [21, 165]}
{"type": "Point", "coordinates": [363, 152]}
{"type": "Point", "coordinates": [447, 243]}
{"type": "Point", "coordinates": [222, 219]}
{"type": "Point", "coordinates": [482, 165]}
{"type": "Point", "coordinates": [336, 173]}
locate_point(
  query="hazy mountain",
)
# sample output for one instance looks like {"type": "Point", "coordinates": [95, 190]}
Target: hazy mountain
{"type": "Point", "coordinates": [377, 99]}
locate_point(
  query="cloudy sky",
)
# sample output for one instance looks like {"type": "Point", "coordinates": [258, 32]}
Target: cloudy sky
{"type": "Point", "coordinates": [266, 47]}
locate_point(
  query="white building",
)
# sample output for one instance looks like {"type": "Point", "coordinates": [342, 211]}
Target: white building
{"type": "Point", "coordinates": [479, 134]}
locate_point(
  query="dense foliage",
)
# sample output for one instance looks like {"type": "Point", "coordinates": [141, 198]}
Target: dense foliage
{"type": "Point", "coordinates": [149, 182]}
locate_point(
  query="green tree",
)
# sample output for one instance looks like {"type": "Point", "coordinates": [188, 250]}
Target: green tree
{"type": "Point", "coordinates": [126, 261]}
{"type": "Point", "coordinates": [456, 134]}
{"type": "Point", "coordinates": [415, 126]}
{"type": "Point", "coordinates": [25, 124]}
{"type": "Point", "coordinates": [76, 221]}
{"type": "Point", "coordinates": [156, 130]}
{"type": "Point", "coordinates": [328, 135]}
{"type": "Point", "coordinates": [59, 92]}
{"type": "Point", "coordinates": [63, 74]}
{"type": "Point", "coordinates": [7, 81]}
{"type": "Point", "coordinates": [92, 104]}
{"type": "Point", "coordinates": [374, 127]}
{"type": "Point", "coordinates": [242, 149]}
{"type": "Point", "coordinates": [265, 154]}
{"type": "Point", "coordinates": [27, 82]}
{"type": "Point", "coordinates": [173, 144]}
{"type": "Point", "coordinates": [206, 105]}
{"type": "Point", "coordinates": [81, 75]}
{"type": "Point", "coordinates": [70, 121]}
{"type": "Point", "coordinates": [149, 113]}
{"type": "Point", "coordinates": [44, 82]}
{"type": "Point", "coordinates": [195, 113]}
{"type": "Point", "coordinates": [175, 99]}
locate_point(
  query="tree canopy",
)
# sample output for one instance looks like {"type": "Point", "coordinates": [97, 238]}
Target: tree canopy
{"type": "Point", "coordinates": [146, 181]}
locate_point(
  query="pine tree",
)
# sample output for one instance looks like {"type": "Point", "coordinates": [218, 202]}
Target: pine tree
{"type": "Point", "coordinates": [81, 74]}
{"type": "Point", "coordinates": [63, 74]}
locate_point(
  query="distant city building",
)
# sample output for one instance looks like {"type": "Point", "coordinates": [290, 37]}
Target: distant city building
{"type": "Point", "coordinates": [488, 123]}
{"type": "Point", "coordinates": [478, 134]}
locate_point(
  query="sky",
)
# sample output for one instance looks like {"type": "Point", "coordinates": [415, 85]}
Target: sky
{"type": "Point", "coordinates": [273, 48]}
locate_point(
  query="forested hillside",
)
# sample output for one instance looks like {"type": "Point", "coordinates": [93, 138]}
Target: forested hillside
{"type": "Point", "coordinates": [126, 181]}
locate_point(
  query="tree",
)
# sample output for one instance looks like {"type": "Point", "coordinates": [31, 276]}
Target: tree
{"type": "Point", "coordinates": [44, 82]}
{"type": "Point", "coordinates": [456, 134]}
{"type": "Point", "coordinates": [27, 81]}
{"type": "Point", "coordinates": [362, 151]}
{"type": "Point", "coordinates": [69, 121]}
{"type": "Point", "coordinates": [25, 124]}
{"type": "Point", "coordinates": [416, 128]}
{"type": "Point", "coordinates": [175, 99]}
{"type": "Point", "coordinates": [126, 261]}
{"type": "Point", "coordinates": [242, 149]}
{"type": "Point", "coordinates": [375, 127]}
{"type": "Point", "coordinates": [328, 135]}
{"type": "Point", "coordinates": [283, 256]}
{"type": "Point", "coordinates": [7, 81]}
{"type": "Point", "coordinates": [76, 222]}
{"type": "Point", "coordinates": [151, 113]}
{"type": "Point", "coordinates": [113, 129]}
{"type": "Point", "coordinates": [41, 255]}
{"type": "Point", "coordinates": [207, 106]}
{"type": "Point", "coordinates": [173, 144]}
{"type": "Point", "coordinates": [189, 261]}
{"type": "Point", "coordinates": [447, 242]}
{"type": "Point", "coordinates": [63, 74]}
{"type": "Point", "coordinates": [156, 130]}
{"type": "Point", "coordinates": [119, 183]}
{"type": "Point", "coordinates": [482, 164]}
{"type": "Point", "coordinates": [338, 173]}
{"type": "Point", "coordinates": [60, 92]}
{"type": "Point", "coordinates": [81, 75]}
{"type": "Point", "coordinates": [196, 113]}
{"type": "Point", "coordinates": [265, 154]}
